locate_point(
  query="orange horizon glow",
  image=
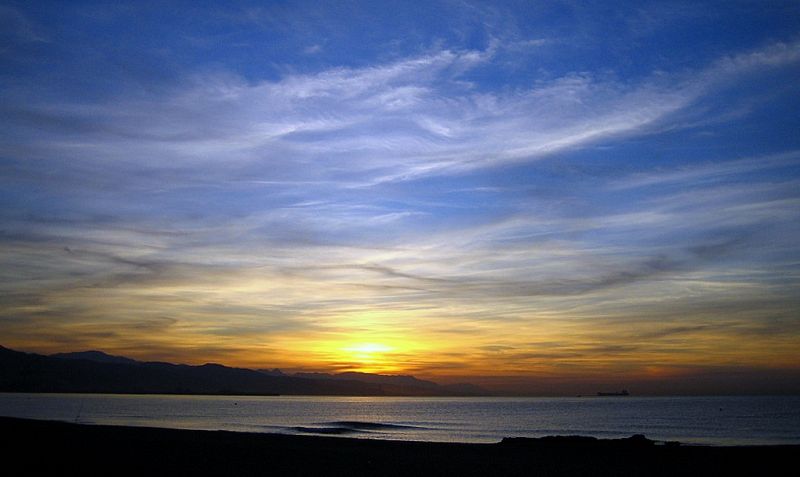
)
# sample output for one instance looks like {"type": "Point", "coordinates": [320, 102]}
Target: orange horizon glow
{"type": "Point", "coordinates": [537, 195]}
{"type": "Point", "coordinates": [428, 356]}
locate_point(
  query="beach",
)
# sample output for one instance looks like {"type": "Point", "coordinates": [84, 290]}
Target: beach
{"type": "Point", "coordinates": [50, 447]}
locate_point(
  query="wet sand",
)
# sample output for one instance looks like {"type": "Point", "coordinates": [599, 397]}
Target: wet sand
{"type": "Point", "coordinates": [58, 448]}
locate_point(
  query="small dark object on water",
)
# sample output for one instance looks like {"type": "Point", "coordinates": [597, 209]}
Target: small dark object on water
{"type": "Point", "coordinates": [624, 392]}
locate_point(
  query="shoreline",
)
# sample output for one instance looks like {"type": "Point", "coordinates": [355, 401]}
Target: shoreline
{"type": "Point", "coordinates": [57, 446]}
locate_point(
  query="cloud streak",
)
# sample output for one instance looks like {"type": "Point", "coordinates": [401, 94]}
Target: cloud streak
{"type": "Point", "coordinates": [396, 121]}
{"type": "Point", "coordinates": [504, 202]}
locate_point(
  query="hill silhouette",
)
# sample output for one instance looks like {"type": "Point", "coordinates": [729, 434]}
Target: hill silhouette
{"type": "Point", "coordinates": [94, 355]}
{"type": "Point", "coordinates": [97, 372]}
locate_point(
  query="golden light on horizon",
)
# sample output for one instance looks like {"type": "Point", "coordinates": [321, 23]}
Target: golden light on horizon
{"type": "Point", "coordinates": [367, 349]}
{"type": "Point", "coordinates": [369, 356]}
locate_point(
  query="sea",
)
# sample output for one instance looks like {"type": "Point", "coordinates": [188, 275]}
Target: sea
{"type": "Point", "coordinates": [728, 420]}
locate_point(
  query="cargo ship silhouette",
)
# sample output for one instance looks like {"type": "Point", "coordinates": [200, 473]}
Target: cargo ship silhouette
{"type": "Point", "coordinates": [624, 392]}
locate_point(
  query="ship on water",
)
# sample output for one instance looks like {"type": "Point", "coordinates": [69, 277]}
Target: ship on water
{"type": "Point", "coordinates": [624, 392]}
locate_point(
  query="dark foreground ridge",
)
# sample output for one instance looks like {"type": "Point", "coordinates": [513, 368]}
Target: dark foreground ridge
{"type": "Point", "coordinates": [60, 448]}
{"type": "Point", "coordinates": [97, 372]}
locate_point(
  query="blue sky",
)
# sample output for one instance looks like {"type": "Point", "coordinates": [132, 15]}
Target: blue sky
{"type": "Point", "coordinates": [523, 188]}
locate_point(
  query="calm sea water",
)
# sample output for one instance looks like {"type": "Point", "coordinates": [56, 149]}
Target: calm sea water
{"type": "Point", "coordinates": [698, 420]}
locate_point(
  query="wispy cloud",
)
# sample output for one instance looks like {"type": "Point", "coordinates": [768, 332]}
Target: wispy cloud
{"type": "Point", "coordinates": [473, 209]}
{"type": "Point", "coordinates": [396, 121]}
{"type": "Point", "coordinates": [711, 172]}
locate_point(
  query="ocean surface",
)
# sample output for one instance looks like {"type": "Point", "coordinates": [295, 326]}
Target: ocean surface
{"type": "Point", "coordinates": [690, 420]}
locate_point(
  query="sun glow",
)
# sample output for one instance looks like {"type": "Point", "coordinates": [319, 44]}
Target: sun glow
{"type": "Point", "coordinates": [369, 357]}
{"type": "Point", "coordinates": [367, 348]}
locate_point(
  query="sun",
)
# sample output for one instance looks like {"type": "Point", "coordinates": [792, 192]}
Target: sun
{"type": "Point", "coordinates": [369, 356]}
{"type": "Point", "coordinates": [368, 348]}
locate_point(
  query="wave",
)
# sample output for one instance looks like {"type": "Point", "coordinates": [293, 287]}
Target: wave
{"type": "Point", "coordinates": [369, 426]}
{"type": "Point", "coordinates": [324, 430]}
{"type": "Point", "coordinates": [351, 427]}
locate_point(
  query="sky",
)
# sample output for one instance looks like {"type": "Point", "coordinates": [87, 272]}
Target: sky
{"type": "Point", "coordinates": [540, 196]}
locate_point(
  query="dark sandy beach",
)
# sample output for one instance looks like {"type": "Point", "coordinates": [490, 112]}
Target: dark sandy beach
{"type": "Point", "coordinates": [57, 448]}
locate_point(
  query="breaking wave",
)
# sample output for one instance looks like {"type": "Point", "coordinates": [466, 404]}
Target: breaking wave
{"type": "Point", "coordinates": [352, 427]}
